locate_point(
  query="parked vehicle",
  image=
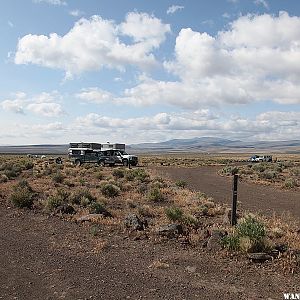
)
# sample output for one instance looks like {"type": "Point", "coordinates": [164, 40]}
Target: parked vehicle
{"type": "Point", "coordinates": [80, 156]}
{"type": "Point", "coordinates": [261, 158]}
{"type": "Point", "coordinates": [101, 154]}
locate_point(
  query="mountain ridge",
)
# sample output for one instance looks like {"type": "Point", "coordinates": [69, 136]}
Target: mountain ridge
{"type": "Point", "coordinates": [197, 144]}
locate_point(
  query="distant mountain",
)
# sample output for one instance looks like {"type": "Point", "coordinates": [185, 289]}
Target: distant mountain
{"type": "Point", "coordinates": [202, 144]}
{"type": "Point", "coordinates": [214, 144]}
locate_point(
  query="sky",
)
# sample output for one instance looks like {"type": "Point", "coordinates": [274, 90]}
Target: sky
{"type": "Point", "coordinates": [136, 71]}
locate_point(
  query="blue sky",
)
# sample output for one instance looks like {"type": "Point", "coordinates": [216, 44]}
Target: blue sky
{"type": "Point", "coordinates": [146, 71]}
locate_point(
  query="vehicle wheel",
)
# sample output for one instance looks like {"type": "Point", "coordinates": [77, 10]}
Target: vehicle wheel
{"type": "Point", "coordinates": [125, 162]}
{"type": "Point", "coordinates": [77, 162]}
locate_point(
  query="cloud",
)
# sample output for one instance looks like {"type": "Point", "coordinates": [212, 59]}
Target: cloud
{"type": "Point", "coordinates": [273, 125]}
{"type": "Point", "coordinates": [263, 3]}
{"type": "Point", "coordinates": [15, 106]}
{"type": "Point", "coordinates": [10, 24]}
{"type": "Point", "coordinates": [96, 43]}
{"type": "Point", "coordinates": [226, 15]}
{"type": "Point", "coordinates": [76, 13]}
{"type": "Point", "coordinates": [237, 65]}
{"type": "Point", "coordinates": [172, 9]}
{"type": "Point", "coordinates": [46, 109]}
{"type": "Point", "coordinates": [94, 95]}
{"type": "Point", "coordinates": [51, 2]}
{"type": "Point", "coordinates": [42, 104]}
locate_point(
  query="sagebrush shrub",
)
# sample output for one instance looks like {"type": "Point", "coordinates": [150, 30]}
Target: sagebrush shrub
{"type": "Point", "coordinates": [174, 213]}
{"type": "Point", "coordinates": [22, 195]}
{"type": "Point", "coordinates": [118, 173]}
{"type": "Point", "coordinates": [60, 197]}
{"type": "Point", "coordinates": [181, 183]}
{"type": "Point", "coordinates": [110, 190]}
{"type": "Point", "coordinates": [58, 177]}
{"type": "Point", "coordinates": [155, 195]}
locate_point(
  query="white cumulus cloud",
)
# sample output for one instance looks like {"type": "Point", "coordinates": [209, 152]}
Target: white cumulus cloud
{"type": "Point", "coordinates": [43, 104]}
{"type": "Point", "coordinates": [172, 9]}
{"type": "Point", "coordinates": [51, 2]}
{"type": "Point", "coordinates": [95, 43]}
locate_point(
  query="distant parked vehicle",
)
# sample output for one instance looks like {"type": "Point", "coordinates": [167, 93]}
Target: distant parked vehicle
{"type": "Point", "coordinates": [261, 158]}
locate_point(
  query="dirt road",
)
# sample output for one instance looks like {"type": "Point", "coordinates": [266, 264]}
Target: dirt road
{"type": "Point", "coordinates": [254, 197]}
{"type": "Point", "coordinates": [47, 258]}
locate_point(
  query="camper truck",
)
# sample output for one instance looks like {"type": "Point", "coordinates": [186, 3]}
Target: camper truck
{"type": "Point", "coordinates": [101, 154]}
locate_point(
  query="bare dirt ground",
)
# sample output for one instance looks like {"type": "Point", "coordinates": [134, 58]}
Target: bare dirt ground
{"type": "Point", "coordinates": [45, 257]}
{"type": "Point", "coordinates": [253, 197]}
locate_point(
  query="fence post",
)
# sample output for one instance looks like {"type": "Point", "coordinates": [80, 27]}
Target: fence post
{"type": "Point", "coordinates": [234, 200]}
{"type": "Point", "coordinates": [129, 165]}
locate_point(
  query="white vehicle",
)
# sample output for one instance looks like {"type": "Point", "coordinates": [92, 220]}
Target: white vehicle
{"type": "Point", "coordinates": [261, 158]}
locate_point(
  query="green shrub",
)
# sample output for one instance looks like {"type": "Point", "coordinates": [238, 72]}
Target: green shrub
{"type": "Point", "coordinates": [110, 190]}
{"type": "Point", "coordinates": [58, 177]}
{"type": "Point", "coordinates": [3, 178]}
{"type": "Point", "coordinates": [174, 213]}
{"type": "Point", "coordinates": [155, 195]}
{"type": "Point", "coordinates": [137, 174]}
{"type": "Point", "coordinates": [295, 172]}
{"type": "Point", "coordinates": [99, 175]}
{"type": "Point", "coordinates": [249, 236]}
{"type": "Point", "coordinates": [268, 174]}
{"type": "Point", "coordinates": [22, 195]}
{"type": "Point", "coordinates": [28, 165]}
{"type": "Point", "coordinates": [181, 183]}
{"type": "Point", "coordinates": [252, 228]}
{"type": "Point", "coordinates": [60, 197]}
{"type": "Point", "coordinates": [78, 195]}
{"type": "Point", "coordinates": [231, 242]}
{"type": "Point", "coordinates": [190, 220]}
{"type": "Point", "coordinates": [11, 173]}
{"type": "Point", "coordinates": [260, 167]}
{"type": "Point", "coordinates": [118, 173]}
{"type": "Point", "coordinates": [95, 229]}
{"type": "Point", "coordinates": [97, 208]}
{"type": "Point", "coordinates": [290, 183]}
{"type": "Point", "coordinates": [230, 170]}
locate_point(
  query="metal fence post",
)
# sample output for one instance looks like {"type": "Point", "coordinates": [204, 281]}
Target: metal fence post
{"type": "Point", "coordinates": [234, 200]}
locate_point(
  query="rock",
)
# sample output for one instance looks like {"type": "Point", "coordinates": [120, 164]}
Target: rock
{"type": "Point", "coordinates": [65, 209]}
{"type": "Point", "coordinates": [191, 269]}
{"type": "Point", "coordinates": [281, 248]}
{"type": "Point", "coordinates": [89, 218]}
{"type": "Point", "coordinates": [214, 241]}
{"type": "Point", "coordinates": [133, 222]}
{"type": "Point", "coordinates": [259, 257]}
{"type": "Point", "coordinates": [170, 230]}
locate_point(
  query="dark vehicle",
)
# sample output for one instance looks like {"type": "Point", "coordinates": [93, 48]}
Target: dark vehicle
{"type": "Point", "coordinates": [80, 155]}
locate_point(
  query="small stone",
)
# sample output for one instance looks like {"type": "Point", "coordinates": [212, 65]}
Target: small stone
{"type": "Point", "coordinates": [191, 269]}
{"type": "Point", "coordinates": [89, 218]}
{"type": "Point", "coordinates": [259, 257]}
{"type": "Point", "coordinates": [214, 241]}
{"type": "Point", "coordinates": [133, 222]}
{"type": "Point", "coordinates": [170, 230]}
{"type": "Point", "coordinates": [65, 209]}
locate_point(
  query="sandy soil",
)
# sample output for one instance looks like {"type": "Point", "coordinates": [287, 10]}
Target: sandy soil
{"type": "Point", "coordinates": [253, 197]}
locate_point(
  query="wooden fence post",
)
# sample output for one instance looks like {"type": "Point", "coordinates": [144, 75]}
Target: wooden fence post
{"type": "Point", "coordinates": [234, 200]}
